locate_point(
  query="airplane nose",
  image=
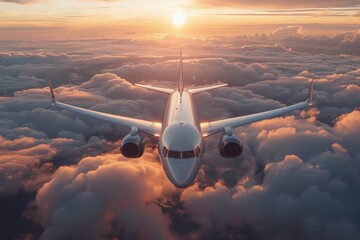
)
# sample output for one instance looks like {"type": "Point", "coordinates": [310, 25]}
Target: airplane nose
{"type": "Point", "coordinates": [182, 170]}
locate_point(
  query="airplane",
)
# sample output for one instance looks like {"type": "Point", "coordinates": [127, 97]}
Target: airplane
{"type": "Point", "coordinates": [180, 135]}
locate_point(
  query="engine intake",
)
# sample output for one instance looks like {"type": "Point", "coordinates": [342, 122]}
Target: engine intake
{"type": "Point", "coordinates": [230, 145]}
{"type": "Point", "coordinates": [133, 144]}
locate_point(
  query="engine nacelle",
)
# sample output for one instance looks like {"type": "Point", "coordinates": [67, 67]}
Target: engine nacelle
{"type": "Point", "coordinates": [230, 145]}
{"type": "Point", "coordinates": [133, 144]}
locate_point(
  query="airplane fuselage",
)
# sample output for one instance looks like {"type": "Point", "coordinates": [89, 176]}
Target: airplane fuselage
{"type": "Point", "coordinates": [180, 144]}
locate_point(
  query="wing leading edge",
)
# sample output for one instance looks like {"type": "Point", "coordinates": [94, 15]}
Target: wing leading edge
{"type": "Point", "coordinates": [148, 127]}
{"type": "Point", "coordinates": [209, 128]}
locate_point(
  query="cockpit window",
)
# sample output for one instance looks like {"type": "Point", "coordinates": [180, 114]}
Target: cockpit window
{"type": "Point", "coordinates": [171, 153]}
{"type": "Point", "coordinates": [178, 154]}
{"type": "Point", "coordinates": [174, 154]}
{"type": "Point", "coordinates": [165, 151]}
{"type": "Point", "coordinates": [192, 153]}
{"type": "Point", "coordinates": [188, 154]}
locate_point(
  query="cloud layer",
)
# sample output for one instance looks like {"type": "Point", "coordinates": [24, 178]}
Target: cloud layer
{"type": "Point", "coordinates": [119, 195]}
{"type": "Point", "coordinates": [298, 176]}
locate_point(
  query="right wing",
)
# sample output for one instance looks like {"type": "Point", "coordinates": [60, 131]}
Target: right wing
{"type": "Point", "coordinates": [204, 89]}
{"type": "Point", "coordinates": [152, 128]}
{"type": "Point", "coordinates": [209, 128]}
{"type": "Point", "coordinates": [158, 89]}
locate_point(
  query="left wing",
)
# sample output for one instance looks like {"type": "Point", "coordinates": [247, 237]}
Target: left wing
{"type": "Point", "coordinates": [209, 128]}
{"type": "Point", "coordinates": [152, 128]}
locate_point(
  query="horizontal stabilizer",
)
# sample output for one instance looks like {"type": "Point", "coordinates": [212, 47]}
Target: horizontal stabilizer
{"type": "Point", "coordinates": [158, 89]}
{"type": "Point", "coordinates": [204, 89]}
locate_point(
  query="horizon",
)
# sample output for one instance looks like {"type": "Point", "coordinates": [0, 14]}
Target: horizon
{"type": "Point", "coordinates": [87, 19]}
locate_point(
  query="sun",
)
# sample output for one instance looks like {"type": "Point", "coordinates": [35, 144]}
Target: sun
{"type": "Point", "coordinates": [178, 19]}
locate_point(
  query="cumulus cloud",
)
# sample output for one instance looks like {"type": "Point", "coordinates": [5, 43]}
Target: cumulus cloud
{"type": "Point", "coordinates": [298, 196]}
{"type": "Point", "coordinates": [106, 196]}
{"type": "Point", "coordinates": [341, 43]}
{"type": "Point", "coordinates": [9, 85]}
{"type": "Point", "coordinates": [335, 93]}
{"type": "Point", "coordinates": [198, 71]}
{"type": "Point", "coordinates": [301, 170]}
{"type": "Point", "coordinates": [288, 31]}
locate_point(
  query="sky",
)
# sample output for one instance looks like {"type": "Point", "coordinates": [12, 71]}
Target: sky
{"type": "Point", "coordinates": [79, 18]}
{"type": "Point", "coordinates": [62, 176]}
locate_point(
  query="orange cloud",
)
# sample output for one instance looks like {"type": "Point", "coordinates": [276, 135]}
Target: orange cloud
{"type": "Point", "coordinates": [348, 123]}
{"type": "Point", "coordinates": [106, 195]}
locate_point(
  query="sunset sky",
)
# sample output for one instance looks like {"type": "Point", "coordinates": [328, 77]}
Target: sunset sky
{"type": "Point", "coordinates": [62, 175]}
{"type": "Point", "coordinates": [152, 18]}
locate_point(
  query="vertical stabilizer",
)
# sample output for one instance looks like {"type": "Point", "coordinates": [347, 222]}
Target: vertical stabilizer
{"type": "Point", "coordinates": [181, 81]}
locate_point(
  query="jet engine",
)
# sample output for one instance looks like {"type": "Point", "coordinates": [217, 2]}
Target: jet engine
{"type": "Point", "coordinates": [133, 144]}
{"type": "Point", "coordinates": [230, 145]}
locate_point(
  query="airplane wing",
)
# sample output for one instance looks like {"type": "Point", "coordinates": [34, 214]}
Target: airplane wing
{"type": "Point", "coordinates": [158, 89]}
{"type": "Point", "coordinates": [209, 128]}
{"type": "Point", "coordinates": [204, 89]}
{"type": "Point", "coordinates": [152, 128]}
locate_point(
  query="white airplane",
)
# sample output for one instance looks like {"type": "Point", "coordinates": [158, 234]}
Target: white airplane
{"type": "Point", "coordinates": [181, 135]}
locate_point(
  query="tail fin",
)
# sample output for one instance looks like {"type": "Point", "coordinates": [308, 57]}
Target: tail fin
{"type": "Point", "coordinates": [181, 81]}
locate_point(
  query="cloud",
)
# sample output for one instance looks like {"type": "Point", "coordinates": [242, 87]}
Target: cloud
{"type": "Point", "coordinates": [22, 163]}
{"type": "Point", "coordinates": [301, 170]}
{"type": "Point", "coordinates": [83, 201]}
{"type": "Point", "coordinates": [334, 94]}
{"type": "Point", "coordinates": [9, 85]}
{"type": "Point", "coordinates": [348, 126]}
{"type": "Point", "coordinates": [341, 43]}
{"type": "Point", "coordinates": [288, 31]}
{"type": "Point", "coordinates": [296, 196]}
{"type": "Point", "coordinates": [198, 71]}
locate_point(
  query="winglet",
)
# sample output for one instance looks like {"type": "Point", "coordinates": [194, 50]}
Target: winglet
{"type": "Point", "coordinates": [310, 94]}
{"type": "Point", "coordinates": [52, 92]}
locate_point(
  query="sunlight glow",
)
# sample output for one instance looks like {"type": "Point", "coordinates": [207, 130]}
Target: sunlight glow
{"type": "Point", "coordinates": [178, 19]}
